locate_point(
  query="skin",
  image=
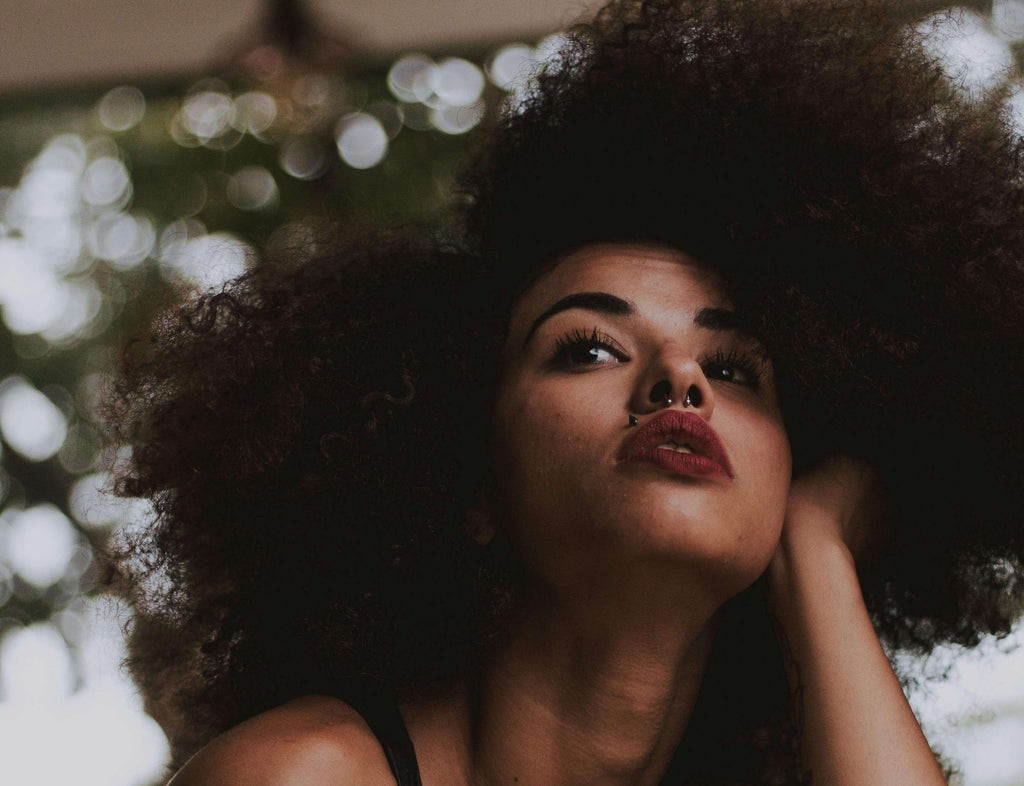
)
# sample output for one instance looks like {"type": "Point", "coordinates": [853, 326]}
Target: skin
{"type": "Point", "coordinates": [859, 728]}
{"type": "Point", "coordinates": [581, 516]}
{"type": "Point", "coordinates": [628, 563]}
{"type": "Point", "coordinates": [627, 567]}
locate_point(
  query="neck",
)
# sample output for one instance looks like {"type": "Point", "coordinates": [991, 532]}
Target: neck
{"type": "Point", "coordinates": [596, 689]}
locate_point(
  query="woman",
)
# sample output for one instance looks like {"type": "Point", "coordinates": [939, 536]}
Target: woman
{"type": "Point", "coordinates": [725, 367]}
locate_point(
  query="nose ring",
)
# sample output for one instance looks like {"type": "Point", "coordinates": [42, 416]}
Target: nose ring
{"type": "Point", "coordinates": [663, 391]}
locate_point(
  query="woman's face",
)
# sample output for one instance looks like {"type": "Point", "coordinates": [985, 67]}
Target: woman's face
{"type": "Point", "coordinates": [573, 373]}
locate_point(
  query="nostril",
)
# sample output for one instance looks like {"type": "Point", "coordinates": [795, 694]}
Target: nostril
{"type": "Point", "coordinates": [660, 391]}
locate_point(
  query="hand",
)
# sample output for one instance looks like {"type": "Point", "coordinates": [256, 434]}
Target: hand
{"type": "Point", "coordinates": [858, 727]}
{"type": "Point", "coordinates": [839, 500]}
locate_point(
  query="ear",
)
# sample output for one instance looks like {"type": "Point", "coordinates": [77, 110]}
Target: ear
{"type": "Point", "coordinates": [479, 520]}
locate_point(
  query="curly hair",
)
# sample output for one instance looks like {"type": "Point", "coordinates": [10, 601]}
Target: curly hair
{"type": "Point", "coordinates": [313, 435]}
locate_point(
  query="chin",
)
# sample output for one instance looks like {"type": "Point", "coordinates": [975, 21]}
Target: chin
{"type": "Point", "coordinates": [729, 552]}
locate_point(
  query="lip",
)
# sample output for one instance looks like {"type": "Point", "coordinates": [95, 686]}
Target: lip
{"type": "Point", "coordinates": [708, 459]}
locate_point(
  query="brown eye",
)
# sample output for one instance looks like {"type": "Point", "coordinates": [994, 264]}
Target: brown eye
{"type": "Point", "coordinates": [584, 355]}
{"type": "Point", "coordinates": [578, 349]}
{"type": "Point", "coordinates": [736, 367]}
{"type": "Point", "coordinates": [727, 374]}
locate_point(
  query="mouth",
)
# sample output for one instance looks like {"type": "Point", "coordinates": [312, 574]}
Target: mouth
{"type": "Point", "coordinates": [678, 442]}
{"type": "Point", "coordinates": [684, 448]}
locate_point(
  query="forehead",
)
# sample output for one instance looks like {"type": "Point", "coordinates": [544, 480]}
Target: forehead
{"type": "Point", "coordinates": [652, 276]}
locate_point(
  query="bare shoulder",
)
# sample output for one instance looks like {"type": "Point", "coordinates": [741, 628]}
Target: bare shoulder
{"type": "Point", "coordinates": [310, 741]}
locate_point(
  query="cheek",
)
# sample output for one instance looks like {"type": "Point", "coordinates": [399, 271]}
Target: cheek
{"type": "Point", "coordinates": [537, 438]}
{"type": "Point", "coordinates": [769, 468]}
{"type": "Point", "coordinates": [550, 465]}
{"type": "Point", "coordinates": [560, 495]}
{"type": "Point", "coordinates": [778, 463]}
{"type": "Point", "coordinates": [521, 451]}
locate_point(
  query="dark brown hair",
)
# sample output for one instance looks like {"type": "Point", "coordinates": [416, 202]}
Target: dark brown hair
{"type": "Point", "coordinates": [312, 435]}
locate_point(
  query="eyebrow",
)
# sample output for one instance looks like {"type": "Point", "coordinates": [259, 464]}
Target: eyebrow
{"type": "Point", "coordinates": [710, 318]}
{"type": "Point", "coordinates": [599, 302]}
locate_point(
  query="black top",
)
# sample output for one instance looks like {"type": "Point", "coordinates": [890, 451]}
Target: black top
{"type": "Point", "coordinates": [376, 703]}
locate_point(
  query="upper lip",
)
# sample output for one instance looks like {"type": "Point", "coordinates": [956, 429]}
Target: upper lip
{"type": "Point", "coordinates": [679, 427]}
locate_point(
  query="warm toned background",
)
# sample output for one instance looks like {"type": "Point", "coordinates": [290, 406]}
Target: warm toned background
{"type": "Point", "coordinates": [51, 42]}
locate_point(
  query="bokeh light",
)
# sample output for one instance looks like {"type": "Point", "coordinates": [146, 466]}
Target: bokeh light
{"type": "Point", "coordinates": [511, 66]}
{"type": "Point", "coordinates": [33, 298]}
{"type": "Point", "coordinates": [81, 449]}
{"type": "Point", "coordinates": [457, 82]}
{"type": "Point", "coordinates": [35, 666]}
{"type": "Point", "coordinates": [39, 544]}
{"type": "Point", "coordinates": [255, 112]}
{"type": "Point", "coordinates": [74, 717]}
{"type": "Point", "coordinates": [311, 90]}
{"type": "Point", "coordinates": [122, 240]}
{"type": "Point", "coordinates": [457, 119]}
{"type": "Point", "coordinates": [972, 54]}
{"type": "Point", "coordinates": [252, 188]}
{"type": "Point", "coordinates": [50, 187]}
{"type": "Point", "coordinates": [30, 423]}
{"type": "Point", "coordinates": [971, 704]}
{"type": "Point", "coordinates": [122, 108]}
{"type": "Point", "coordinates": [199, 260]}
{"type": "Point", "coordinates": [303, 157]}
{"type": "Point", "coordinates": [362, 140]}
{"type": "Point", "coordinates": [549, 48]}
{"type": "Point", "coordinates": [1015, 109]}
{"type": "Point", "coordinates": [208, 114]}
{"type": "Point", "coordinates": [94, 505]}
{"type": "Point", "coordinates": [106, 182]}
{"type": "Point", "coordinates": [411, 78]}
{"type": "Point", "coordinates": [1008, 19]}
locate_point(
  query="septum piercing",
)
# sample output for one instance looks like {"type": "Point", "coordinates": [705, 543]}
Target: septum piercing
{"type": "Point", "coordinates": [668, 402]}
{"type": "Point", "coordinates": [686, 401]}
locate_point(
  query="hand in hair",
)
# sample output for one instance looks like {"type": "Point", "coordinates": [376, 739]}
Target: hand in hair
{"type": "Point", "coordinates": [858, 727]}
{"type": "Point", "coordinates": [841, 500]}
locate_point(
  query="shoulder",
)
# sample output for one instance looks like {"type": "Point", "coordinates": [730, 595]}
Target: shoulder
{"type": "Point", "coordinates": [310, 741]}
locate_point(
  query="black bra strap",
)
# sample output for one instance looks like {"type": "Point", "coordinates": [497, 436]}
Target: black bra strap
{"type": "Point", "coordinates": [376, 703]}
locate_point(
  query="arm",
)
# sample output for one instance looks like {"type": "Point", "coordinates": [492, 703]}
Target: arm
{"type": "Point", "coordinates": [858, 727]}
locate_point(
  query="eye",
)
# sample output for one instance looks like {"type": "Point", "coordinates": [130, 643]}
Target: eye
{"type": "Point", "coordinates": [579, 349]}
{"type": "Point", "coordinates": [739, 368]}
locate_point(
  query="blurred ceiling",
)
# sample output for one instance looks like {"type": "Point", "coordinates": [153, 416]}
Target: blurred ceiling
{"type": "Point", "coordinates": [67, 43]}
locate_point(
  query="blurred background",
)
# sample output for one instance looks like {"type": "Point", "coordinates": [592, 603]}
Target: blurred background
{"type": "Point", "coordinates": [151, 148]}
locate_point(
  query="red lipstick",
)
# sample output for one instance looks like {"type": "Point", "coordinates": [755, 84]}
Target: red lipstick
{"type": "Point", "coordinates": [684, 429]}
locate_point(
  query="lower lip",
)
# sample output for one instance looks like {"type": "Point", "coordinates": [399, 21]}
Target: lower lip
{"type": "Point", "coordinates": [682, 463]}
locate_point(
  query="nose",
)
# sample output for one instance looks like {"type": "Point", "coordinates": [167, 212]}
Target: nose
{"type": "Point", "coordinates": [672, 375]}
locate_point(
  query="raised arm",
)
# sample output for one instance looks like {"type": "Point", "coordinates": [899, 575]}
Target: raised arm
{"type": "Point", "coordinates": [858, 729]}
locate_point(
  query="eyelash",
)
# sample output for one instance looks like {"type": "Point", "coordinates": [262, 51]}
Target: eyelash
{"type": "Point", "coordinates": [579, 338]}
{"type": "Point", "coordinates": [746, 362]}
{"type": "Point", "coordinates": [750, 365]}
